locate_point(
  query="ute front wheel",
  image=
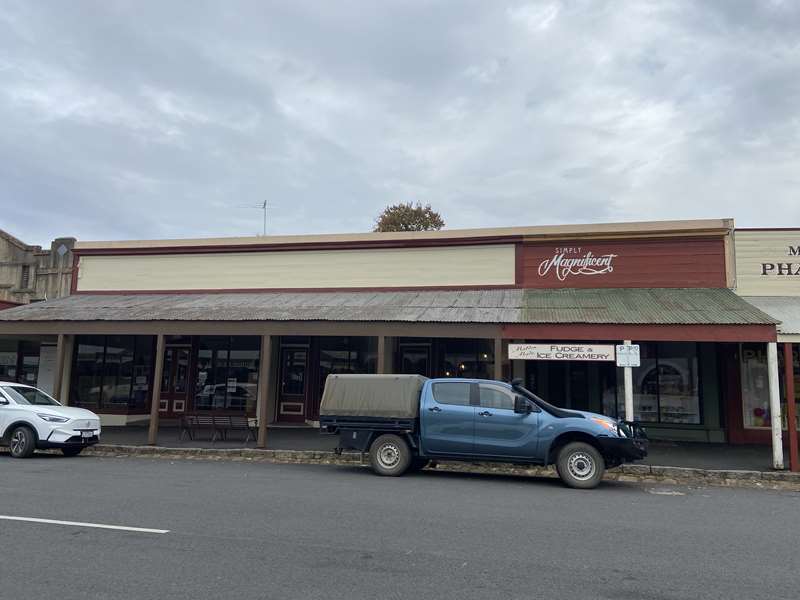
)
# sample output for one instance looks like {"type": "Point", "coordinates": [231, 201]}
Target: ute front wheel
{"type": "Point", "coordinates": [580, 465]}
{"type": "Point", "coordinates": [389, 455]}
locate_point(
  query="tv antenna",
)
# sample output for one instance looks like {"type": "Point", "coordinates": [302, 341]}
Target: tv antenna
{"type": "Point", "coordinates": [263, 206]}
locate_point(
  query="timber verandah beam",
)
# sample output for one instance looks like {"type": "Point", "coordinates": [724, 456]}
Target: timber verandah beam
{"type": "Point", "coordinates": [389, 329]}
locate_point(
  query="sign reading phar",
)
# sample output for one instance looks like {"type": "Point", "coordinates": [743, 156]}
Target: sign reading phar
{"type": "Point", "coordinates": [783, 268]}
{"type": "Point", "coordinates": [560, 352]}
{"type": "Point", "coordinates": [573, 261]}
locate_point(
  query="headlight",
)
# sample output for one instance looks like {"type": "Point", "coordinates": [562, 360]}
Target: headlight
{"type": "Point", "coordinates": [610, 426]}
{"type": "Point", "coordinates": [52, 418]}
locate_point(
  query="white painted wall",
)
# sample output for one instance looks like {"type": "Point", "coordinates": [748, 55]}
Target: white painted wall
{"type": "Point", "coordinates": [296, 269]}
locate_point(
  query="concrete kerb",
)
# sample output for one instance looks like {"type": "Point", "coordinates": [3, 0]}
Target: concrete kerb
{"type": "Point", "coordinates": [635, 473]}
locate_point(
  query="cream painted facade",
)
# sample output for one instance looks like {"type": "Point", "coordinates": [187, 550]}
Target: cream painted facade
{"type": "Point", "coordinates": [767, 262]}
{"type": "Point", "coordinates": [440, 266]}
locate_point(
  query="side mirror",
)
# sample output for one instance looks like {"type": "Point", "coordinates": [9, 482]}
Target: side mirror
{"type": "Point", "coordinates": [521, 405]}
{"type": "Point", "coordinates": [3, 401]}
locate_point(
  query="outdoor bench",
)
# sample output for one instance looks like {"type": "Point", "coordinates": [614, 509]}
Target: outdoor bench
{"type": "Point", "coordinates": [219, 426]}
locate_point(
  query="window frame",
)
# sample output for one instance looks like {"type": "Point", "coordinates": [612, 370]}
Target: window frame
{"type": "Point", "coordinates": [499, 388]}
{"type": "Point", "coordinates": [472, 393]}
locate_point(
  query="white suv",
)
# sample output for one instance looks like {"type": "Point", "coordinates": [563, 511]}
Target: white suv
{"type": "Point", "coordinates": [30, 419]}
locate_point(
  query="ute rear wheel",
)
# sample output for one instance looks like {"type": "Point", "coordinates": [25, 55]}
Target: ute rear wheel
{"type": "Point", "coordinates": [389, 455]}
{"type": "Point", "coordinates": [22, 442]}
{"type": "Point", "coordinates": [580, 465]}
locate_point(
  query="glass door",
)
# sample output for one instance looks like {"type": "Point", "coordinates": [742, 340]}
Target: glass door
{"type": "Point", "coordinates": [174, 382]}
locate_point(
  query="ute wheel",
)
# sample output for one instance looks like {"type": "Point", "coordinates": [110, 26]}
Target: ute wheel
{"type": "Point", "coordinates": [22, 442]}
{"type": "Point", "coordinates": [71, 451]}
{"type": "Point", "coordinates": [580, 465]}
{"type": "Point", "coordinates": [389, 455]}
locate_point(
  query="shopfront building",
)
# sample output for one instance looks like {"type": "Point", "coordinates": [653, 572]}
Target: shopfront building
{"type": "Point", "coordinates": [768, 277]}
{"type": "Point", "coordinates": [253, 326]}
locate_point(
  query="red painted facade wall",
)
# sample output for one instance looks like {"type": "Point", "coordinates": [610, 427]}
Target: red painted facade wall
{"type": "Point", "coordinates": [669, 262]}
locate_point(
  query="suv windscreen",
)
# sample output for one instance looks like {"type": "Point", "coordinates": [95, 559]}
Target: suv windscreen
{"type": "Point", "coordinates": [28, 395]}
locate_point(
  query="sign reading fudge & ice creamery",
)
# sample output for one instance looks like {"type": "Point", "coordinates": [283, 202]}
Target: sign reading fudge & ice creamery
{"type": "Point", "coordinates": [566, 351]}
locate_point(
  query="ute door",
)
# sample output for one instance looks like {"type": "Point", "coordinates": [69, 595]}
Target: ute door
{"type": "Point", "coordinates": [501, 432]}
{"type": "Point", "coordinates": [448, 418]}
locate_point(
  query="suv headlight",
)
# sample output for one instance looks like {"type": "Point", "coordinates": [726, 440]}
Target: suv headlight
{"type": "Point", "coordinates": [52, 418]}
{"type": "Point", "coordinates": [609, 426]}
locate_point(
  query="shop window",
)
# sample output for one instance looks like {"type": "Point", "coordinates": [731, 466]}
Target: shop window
{"type": "Point", "coordinates": [8, 360]}
{"type": "Point", "coordinates": [466, 358]}
{"type": "Point", "coordinates": [112, 373]}
{"type": "Point", "coordinates": [666, 386]}
{"type": "Point", "coordinates": [28, 363]}
{"type": "Point", "coordinates": [346, 355]}
{"type": "Point", "coordinates": [227, 373]}
{"type": "Point", "coordinates": [755, 385]}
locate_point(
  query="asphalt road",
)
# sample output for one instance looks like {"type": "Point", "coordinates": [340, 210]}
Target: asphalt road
{"type": "Point", "coordinates": [253, 530]}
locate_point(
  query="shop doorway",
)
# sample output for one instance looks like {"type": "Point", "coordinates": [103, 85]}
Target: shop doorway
{"type": "Point", "coordinates": [175, 380]}
{"type": "Point", "coordinates": [292, 384]}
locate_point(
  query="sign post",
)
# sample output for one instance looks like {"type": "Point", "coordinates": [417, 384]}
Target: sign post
{"type": "Point", "coordinates": [628, 357]}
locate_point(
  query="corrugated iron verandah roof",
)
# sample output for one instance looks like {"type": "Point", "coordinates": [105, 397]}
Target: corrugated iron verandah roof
{"type": "Point", "coordinates": [785, 309]}
{"type": "Point", "coordinates": [644, 306]}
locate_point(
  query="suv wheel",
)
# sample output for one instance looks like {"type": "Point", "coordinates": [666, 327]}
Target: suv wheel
{"type": "Point", "coordinates": [390, 455]}
{"type": "Point", "coordinates": [72, 451]}
{"type": "Point", "coordinates": [22, 442]}
{"type": "Point", "coordinates": [580, 465]}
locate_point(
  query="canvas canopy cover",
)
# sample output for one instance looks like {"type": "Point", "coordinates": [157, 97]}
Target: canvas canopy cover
{"type": "Point", "coordinates": [387, 396]}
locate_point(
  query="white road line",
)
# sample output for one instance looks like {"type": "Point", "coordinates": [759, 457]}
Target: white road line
{"type": "Point", "coordinates": [79, 524]}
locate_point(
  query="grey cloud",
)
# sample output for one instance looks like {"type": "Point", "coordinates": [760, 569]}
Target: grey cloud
{"type": "Point", "coordinates": [147, 119]}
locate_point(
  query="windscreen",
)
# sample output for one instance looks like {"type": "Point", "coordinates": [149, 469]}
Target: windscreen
{"type": "Point", "coordinates": [28, 395]}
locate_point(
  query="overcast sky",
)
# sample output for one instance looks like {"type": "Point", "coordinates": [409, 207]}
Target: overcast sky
{"type": "Point", "coordinates": [162, 118]}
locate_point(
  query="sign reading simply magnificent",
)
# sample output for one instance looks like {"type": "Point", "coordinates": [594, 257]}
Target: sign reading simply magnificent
{"type": "Point", "coordinates": [594, 352]}
{"type": "Point", "coordinates": [636, 263]}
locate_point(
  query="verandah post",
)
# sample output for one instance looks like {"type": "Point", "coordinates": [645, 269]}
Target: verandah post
{"type": "Point", "coordinates": [775, 406]}
{"type": "Point", "coordinates": [58, 377]}
{"type": "Point", "coordinates": [155, 401]}
{"type": "Point", "coordinates": [791, 410]}
{"type": "Point", "coordinates": [498, 358]}
{"type": "Point", "coordinates": [265, 360]}
{"type": "Point", "coordinates": [628, 378]}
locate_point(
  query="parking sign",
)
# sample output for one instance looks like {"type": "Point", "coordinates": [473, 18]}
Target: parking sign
{"type": "Point", "coordinates": [628, 355]}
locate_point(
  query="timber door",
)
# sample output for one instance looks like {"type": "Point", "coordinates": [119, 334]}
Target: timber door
{"type": "Point", "coordinates": [292, 385]}
{"type": "Point", "coordinates": [175, 381]}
